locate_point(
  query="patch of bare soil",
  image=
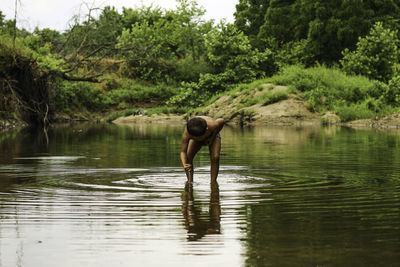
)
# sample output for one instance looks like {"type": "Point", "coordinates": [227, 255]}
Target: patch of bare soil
{"type": "Point", "coordinates": [391, 121]}
{"type": "Point", "coordinates": [155, 118]}
{"type": "Point", "coordinates": [290, 111]}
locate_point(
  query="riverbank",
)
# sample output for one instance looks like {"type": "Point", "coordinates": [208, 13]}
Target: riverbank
{"type": "Point", "coordinates": [388, 122]}
{"type": "Point", "coordinates": [249, 108]}
{"type": "Point", "coordinates": [10, 124]}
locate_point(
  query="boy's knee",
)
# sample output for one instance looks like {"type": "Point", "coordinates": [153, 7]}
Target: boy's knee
{"type": "Point", "coordinates": [215, 158]}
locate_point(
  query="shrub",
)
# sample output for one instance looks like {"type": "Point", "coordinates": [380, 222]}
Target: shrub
{"type": "Point", "coordinates": [392, 94]}
{"type": "Point", "coordinates": [229, 52]}
{"type": "Point", "coordinates": [189, 70]}
{"type": "Point", "coordinates": [375, 56]}
{"type": "Point", "coordinates": [137, 93]}
{"type": "Point", "coordinates": [149, 57]}
{"type": "Point", "coordinates": [80, 95]}
{"type": "Point", "coordinates": [294, 53]}
{"type": "Point", "coordinates": [369, 108]}
{"type": "Point", "coordinates": [196, 94]}
{"type": "Point", "coordinates": [354, 112]}
{"type": "Point", "coordinates": [189, 95]}
{"type": "Point", "coordinates": [320, 99]}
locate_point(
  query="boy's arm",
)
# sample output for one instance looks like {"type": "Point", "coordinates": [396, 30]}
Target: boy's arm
{"type": "Point", "coordinates": [219, 125]}
{"type": "Point", "coordinates": [220, 122]}
{"type": "Point", "coordinates": [184, 147]}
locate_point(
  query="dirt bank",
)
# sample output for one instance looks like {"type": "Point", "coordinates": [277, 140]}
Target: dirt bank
{"type": "Point", "coordinates": [388, 122]}
{"type": "Point", "coordinates": [155, 118]}
{"type": "Point", "coordinates": [235, 109]}
{"type": "Point", "coordinates": [290, 111]}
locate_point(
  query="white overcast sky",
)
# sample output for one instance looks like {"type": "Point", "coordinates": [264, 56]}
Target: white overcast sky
{"type": "Point", "coordinates": [55, 14]}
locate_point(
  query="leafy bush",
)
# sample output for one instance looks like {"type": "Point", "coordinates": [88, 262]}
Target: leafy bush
{"type": "Point", "coordinates": [320, 99]}
{"type": "Point", "coordinates": [189, 70]}
{"type": "Point", "coordinates": [369, 108]}
{"type": "Point", "coordinates": [149, 54]}
{"type": "Point", "coordinates": [375, 56]}
{"type": "Point", "coordinates": [189, 95]}
{"type": "Point", "coordinates": [80, 95]}
{"type": "Point", "coordinates": [229, 50]}
{"type": "Point", "coordinates": [99, 97]}
{"type": "Point", "coordinates": [354, 112]}
{"type": "Point", "coordinates": [130, 91]}
{"type": "Point", "coordinates": [392, 94]}
{"type": "Point", "coordinates": [294, 53]}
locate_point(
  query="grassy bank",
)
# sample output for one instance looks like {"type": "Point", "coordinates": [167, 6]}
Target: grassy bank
{"type": "Point", "coordinates": [321, 89]}
{"type": "Point", "coordinates": [350, 97]}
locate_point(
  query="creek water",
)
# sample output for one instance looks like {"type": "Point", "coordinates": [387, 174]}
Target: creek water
{"type": "Point", "coordinates": [108, 195]}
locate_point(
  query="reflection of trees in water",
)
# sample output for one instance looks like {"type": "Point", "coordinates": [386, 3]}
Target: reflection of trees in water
{"type": "Point", "coordinates": [14, 145]}
{"type": "Point", "coordinates": [197, 223]}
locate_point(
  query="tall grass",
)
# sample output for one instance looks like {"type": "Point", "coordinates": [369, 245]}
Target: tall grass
{"type": "Point", "coordinates": [115, 93]}
{"type": "Point", "coordinates": [351, 97]}
{"type": "Point", "coordinates": [272, 97]}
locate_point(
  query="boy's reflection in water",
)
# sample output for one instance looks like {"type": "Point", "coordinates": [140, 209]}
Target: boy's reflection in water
{"type": "Point", "coordinates": [196, 223]}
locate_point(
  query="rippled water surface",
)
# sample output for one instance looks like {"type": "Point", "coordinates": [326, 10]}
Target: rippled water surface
{"type": "Point", "coordinates": [106, 195]}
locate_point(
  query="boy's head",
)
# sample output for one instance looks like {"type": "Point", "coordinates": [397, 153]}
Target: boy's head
{"type": "Point", "coordinates": [196, 126]}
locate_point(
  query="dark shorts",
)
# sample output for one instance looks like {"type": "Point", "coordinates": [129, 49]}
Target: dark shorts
{"type": "Point", "coordinates": [205, 144]}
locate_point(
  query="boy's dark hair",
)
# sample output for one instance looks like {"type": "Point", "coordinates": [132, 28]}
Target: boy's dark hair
{"type": "Point", "coordinates": [196, 126]}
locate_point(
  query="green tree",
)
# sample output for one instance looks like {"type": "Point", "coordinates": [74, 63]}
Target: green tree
{"type": "Point", "coordinates": [279, 22]}
{"type": "Point", "coordinates": [2, 16]}
{"type": "Point", "coordinates": [249, 17]}
{"type": "Point", "coordinates": [107, 28]}
{"type": "Point", "coordinates": [94, 36]}
{"type": "Point", "coordinates": [40, 38]}
{"type": "Point", "coordinates": [147, 50]}
{"type": "Point", "coordinates": [155, 47]}
{"type": "Point", "coordinates": [328, 26]}
{"type": "Point", "coordinates": [375, 56]}
{"type": "Point", "coordinates": [192, 29]}
{"type": "Point", "coordinates": [147, 14]}
{"type": "Point", "coordinates": [229, 50]}
{"type": "Point", "coordinates": [233, 60]}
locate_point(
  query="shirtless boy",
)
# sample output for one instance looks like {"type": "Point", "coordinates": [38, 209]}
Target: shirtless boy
{"type": "Point", "coordinates": [201, 131]}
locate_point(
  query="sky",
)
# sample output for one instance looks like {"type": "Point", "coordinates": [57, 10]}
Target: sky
{"type": "Point", "coordinates": [56, 14]}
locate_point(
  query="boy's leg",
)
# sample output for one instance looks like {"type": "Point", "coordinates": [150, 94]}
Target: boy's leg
{"type": "Point", "coordinates": [215, 149]}
{"type": "Point", "coordinates": [214, 210]}
{"type": "Point", "coordinates": [193, 148]}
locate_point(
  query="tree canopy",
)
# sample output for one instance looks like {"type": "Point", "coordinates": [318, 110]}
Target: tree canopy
{"type": "Point", "coordinates": [328, 26]}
